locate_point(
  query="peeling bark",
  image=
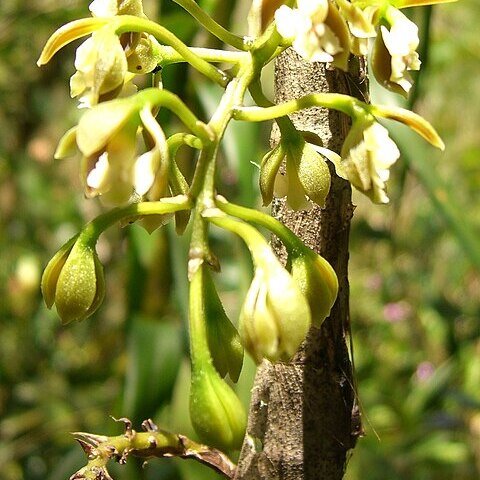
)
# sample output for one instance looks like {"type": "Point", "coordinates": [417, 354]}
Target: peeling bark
{"type": "Point", "coordinates": [303, 415]}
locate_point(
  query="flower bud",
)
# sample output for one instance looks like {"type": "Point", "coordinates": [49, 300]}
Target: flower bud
{"type": "Point", "coordinates": [223, 339]}
{"type": "Point", "coordinates": [216, 412]}
{"type": "Point", "coordinates": [275, 316]}
{"type": "Point", "coordinates": [318, 281]}
{"type": "Point", "coordinates": [73, 280]}
{"type": "Point", "coordinates": [268, 172]}
{"type": "Point", "coordinates": [307, 177]}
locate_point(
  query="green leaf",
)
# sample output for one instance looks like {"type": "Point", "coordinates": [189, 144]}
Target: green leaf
{"type": "Point", "coordinates": [418, 156]}
{"type": "Point", "coordinates": [154, 352]}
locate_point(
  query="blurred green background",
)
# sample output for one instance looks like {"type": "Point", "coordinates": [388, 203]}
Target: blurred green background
{"type": "Point", "coordinates": [415, 284]}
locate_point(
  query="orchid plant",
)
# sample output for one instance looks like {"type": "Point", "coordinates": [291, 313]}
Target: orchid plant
{"type": "Point", "coordinates": [129, 163]}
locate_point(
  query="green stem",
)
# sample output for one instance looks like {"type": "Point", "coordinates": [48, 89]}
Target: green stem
{"type": "Point", "coordinates": [288, 238]}
{"type": "Point", "coordinates": [199, 350]}
{"type": "Point", "coordinates": [168, 55]}
{"type": "Point", "coordinates": [255, 242]}
{"type": "Point", "coordinates": [130, 23]}
{"type": "Point", "coordinates": [335, 101]}
{"type": "Point", "coordinates": [93, 229]}
{"type": "Point", "coordinates": [211, 25]}
{"type": "Point", "coordinates": [287, 129]}
{"type": "Point", "coordinates": [178, 139]}
{"type": "Point", "coordinates": [164, 98]}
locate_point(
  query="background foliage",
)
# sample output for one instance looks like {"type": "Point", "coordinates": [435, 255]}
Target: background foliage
{"type": "Point", "coordinates": [414, 270]}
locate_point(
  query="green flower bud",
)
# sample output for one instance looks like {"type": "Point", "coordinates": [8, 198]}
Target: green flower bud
{"type": "Point", "coordinates": [306, 178]}
{"type": "Point", "coordinates": [73, 280]}
{"type": "Point", "coordinates": [223, 339]}
{"type": "Point", "coordinates": [317, 280]}
{"type": "Point", "coordinates": [216, 412]}
{"type": "Point", "coordinates": [268, 172]}
{"type": "Point", "coordinates": [275, 316]}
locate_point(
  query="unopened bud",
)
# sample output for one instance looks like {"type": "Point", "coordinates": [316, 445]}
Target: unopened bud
{"type": "Point", "coordinates": [275, 316]}
{"type": "Point", "coordinates": [318, 281]}
{"type": "Point", "coordinates": [73, 280]}
{"type": "Point", "coordinates": [216, 412]}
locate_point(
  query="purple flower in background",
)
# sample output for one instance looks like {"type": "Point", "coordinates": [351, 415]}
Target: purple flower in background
{"type": "Point", "coordinates": [397, 311]}
{"type": "Point", "coordinates": [424, 371]}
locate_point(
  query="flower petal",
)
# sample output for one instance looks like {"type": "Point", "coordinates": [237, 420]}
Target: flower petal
{"type": "Point", "coordinates": [67, 34]}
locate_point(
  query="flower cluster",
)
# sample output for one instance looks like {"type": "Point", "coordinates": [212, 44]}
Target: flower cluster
{"type": "Point", "coordinates": [327, 31]}
{"type": "Point", "coordinates": [128, 162]}
{"type": "Point", "coordinates": [280, 306]}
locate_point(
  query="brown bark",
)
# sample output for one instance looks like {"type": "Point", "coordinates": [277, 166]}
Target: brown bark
{"type": "Point", "coordinates": [303, 415]}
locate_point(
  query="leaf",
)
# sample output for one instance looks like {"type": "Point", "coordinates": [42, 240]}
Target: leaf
{"type": "Point", "coordinates": [419, 158]}
{"type": "Point", "coordinates": [154, 352]}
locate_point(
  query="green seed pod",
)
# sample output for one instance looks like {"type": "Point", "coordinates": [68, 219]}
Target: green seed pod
{"type": "Point", "coordinates": [223, 339]}
{"type": "Point", "coordinates": [318, 282]}
{"type": "Point", "coordinates": [216, 412]}
{"type": "Point", "coordinates": [73, 280]}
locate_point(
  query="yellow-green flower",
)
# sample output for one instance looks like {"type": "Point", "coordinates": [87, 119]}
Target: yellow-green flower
{"type": "Point", "coordinates": [106, 136]}
{"type": "Point", "coordinates": [101, 68]}
{"type": "Point", "coordinates": [317, 31]}
{"type": "Point", "coordinates": [275, 316]}
{"type": "Point", "coordinates": [105, 62]}
{"type": "Point", "coordinates": [394, 53]}
{"type": "Point", "coordinates": [367, 155]}
{"type": "Point", "coordinates": [360, 23]}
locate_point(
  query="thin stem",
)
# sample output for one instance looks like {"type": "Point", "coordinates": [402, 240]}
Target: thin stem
{"type": "Point", "coordinates": [178, 139]}
{"type": "Point", "coordinates": [164, 98]}
{"type": "Point", "coordinates": [94, 228]}
{"type": "Point", "coordinates": [288, 238]}
{"type": "Point", "coordinates": [336, 101]}
{"type": "Point", "coordinates": [284, 123]}
{"type": "Point", "coordinates": [211, 25]}
{"type": "Point", "coordinates": [168, 55]}
{"type": "Point", "coordinates": [255, 242]}
{"type": "Point", "coordinates": [199, 350]}
{"type": "Point", "coordinates": [130, 23]}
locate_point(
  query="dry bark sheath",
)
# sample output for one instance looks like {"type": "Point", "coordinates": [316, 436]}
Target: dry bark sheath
{"type": "Point", "coordinates": [303, 416]}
